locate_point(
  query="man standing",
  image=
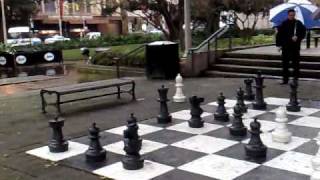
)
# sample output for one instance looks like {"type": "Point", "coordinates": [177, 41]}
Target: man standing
{"type": "Point", "coordinates": [289, 36]}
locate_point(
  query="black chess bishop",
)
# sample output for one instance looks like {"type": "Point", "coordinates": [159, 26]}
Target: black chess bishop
{"type": "Point", "coordinates": [259, 103]}
{"type": "Point", "coordinates": [249, 95]}
{"type": "Point", "coordinates": [132, 146]}
{"type": "Point", "coordinates": [293, 105]}
{"type": "Point", "coordinates": [237, 128]}
{"type": "Point", "coordinates": [164, 117]}
{"type": "Point", "coordinates": [221, 113]}
{"type": "Point", "coordinates": [255, 149]}
{"type": "Point", "coordinates": [57, 142]}
{"type": "Point", "coordinates": [95, 152]}
{"type": "Point", "coordinates": [240, 101]}
{"type": "Point", "coordinates": [196, 112]}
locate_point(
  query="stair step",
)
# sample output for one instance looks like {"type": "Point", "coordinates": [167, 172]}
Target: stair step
{"type": "Point", "coordinates": [266, 63]}
{"type": "Point", "coordinates": [214, 73]}
{"type": "Point", "coordinates": [267, 56]}
{"type": "Point", "coordinates": [305, 73]}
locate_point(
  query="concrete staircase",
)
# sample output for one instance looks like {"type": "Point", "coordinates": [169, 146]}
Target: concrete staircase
{"type": "Point", "coordinates": [246, 65]}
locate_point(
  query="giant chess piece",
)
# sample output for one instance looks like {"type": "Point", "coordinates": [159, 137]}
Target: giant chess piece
{"type": "Point", "coordinates": [259, 103]}
{"type": "Point", "coordinates": [179, 97]}
{"type": "Point", "coordinates": [95, 153]}
{"type": "Point", "coordinates": [255, 148]}
{"type": "Point", "coordinates": [221, 112]}
{"type": "Point", "coordinates": [293, 105]}
{"type": "Point", "coordinates": [281, 134]}
{"type": "Point", "coordinates": [240, 101]}
{"type": "Point", "coordinates": [196, 111]}
{"type": "Point", "coordinates": [248, 96]}
{"type": "Point", "coordinates": [316, 162]}
{"type": "Point", "coordinates": [132, 146]}
{"type": "Point", "coordinates": [237, 128]}
{"type": "Point", "coordinates": [164, 117]}
{"type": "Point", "coordinates": [57, 143]}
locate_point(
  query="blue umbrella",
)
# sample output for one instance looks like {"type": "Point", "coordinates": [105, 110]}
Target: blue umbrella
{"type": "Point", "coordinates": [304, 10]}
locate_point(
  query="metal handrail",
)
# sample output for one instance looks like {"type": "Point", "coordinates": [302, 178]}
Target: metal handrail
{"type": "Point", "coordinates": [118, 59]}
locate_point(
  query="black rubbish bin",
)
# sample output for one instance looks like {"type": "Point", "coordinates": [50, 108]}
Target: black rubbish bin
{"type": "Point", "coordinates": [162, 60]}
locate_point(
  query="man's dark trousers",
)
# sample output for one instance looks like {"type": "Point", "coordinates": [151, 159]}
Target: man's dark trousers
{"type": "Point", "coordinates": [290, 58]}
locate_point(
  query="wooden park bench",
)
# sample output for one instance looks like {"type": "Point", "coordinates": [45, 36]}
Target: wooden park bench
{"type": "Point", "coordinates": [84, 87]}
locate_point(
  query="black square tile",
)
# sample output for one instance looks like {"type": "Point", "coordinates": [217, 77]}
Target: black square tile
{"type": "Point", "coordinates": [210, 119]}
{"type": "Point", "coordinates": [154, 122]}
{"type": "Point", "coordinates": [271, 116]}
{"type": "Point", "coordinates": [167, 136]}
{"type": "Point", "coordinates": [105, 139]}
{"type": "Point", "coordinates": [238, 152]}
{"type": "Point", "coordinates": [317, 114]}
{"type": "Point", "coordinates": [269, 173]}
{"type": "Point", "coordinates": [173, 156]}
{"type": "Point", "coordinates": [79, 162]}
{"type": "Point", "coordinates": [310, 148]}
{"type": "Point", "coordinates": [181, 175]}
{"type": "Point", "coordinates": [224, 133]}
{"type": "Point", "coordinates": [304, 132]}
{"type": "Point", "coordinates": [209, 108]}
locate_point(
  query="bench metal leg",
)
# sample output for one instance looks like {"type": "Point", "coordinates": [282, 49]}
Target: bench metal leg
{"type": "Point", "coordinates": [316, 42]}
{"type": "Point", "coordinates": [133, 93]}
{"type": "Point", "coordinates": [58, 103]}
{"type": "Point", "coordinates": [119, 92]}
{"type": "Point", "coordinates": [43, 102]}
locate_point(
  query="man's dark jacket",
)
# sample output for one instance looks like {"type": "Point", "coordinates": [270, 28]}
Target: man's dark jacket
{"type": "Point", "coordinates": [286, 32]}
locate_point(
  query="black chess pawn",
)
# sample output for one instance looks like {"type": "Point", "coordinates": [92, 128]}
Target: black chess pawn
{"type": "Point", "coordinates": [259, 103]}
{"type": "Point", "coordinates": [95, 153]}
{"type": "Point", "coordinates": [248, 96]}
{"type": "Point", "coordinates": [57, 143]}
{"type": "Point", "coordinates": [293, 105]}
{"type": "Point", "coordinates": [196, 111]}
{"type": "Point", "coordinates": [255, 148]}
{"type": "Point", "coordinates": [164, 117]}
{"type": "Point", "coordinates": [221, 112]}
{"type": "Point", "coordinates": [132, 146]}
{"type": "Point", "coordinates": [240, 101]}
{"type": "Point", "coordinates": [237, 128]}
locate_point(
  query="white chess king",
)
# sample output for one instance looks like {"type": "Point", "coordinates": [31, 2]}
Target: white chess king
{"type": "Point", "coordinates": [316, 163]}
{"type": "Point", "coordinates": [281, 133]}
{"type": "Point", "coordinates": [179, 96]}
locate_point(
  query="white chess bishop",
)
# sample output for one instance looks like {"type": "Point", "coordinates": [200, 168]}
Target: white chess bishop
{"type": "Point", "coordinates": [316, 163]}
{"type": "Point", "coordinates": [281, 133]}
{"type": "Point", "coordinates": [179, 97]}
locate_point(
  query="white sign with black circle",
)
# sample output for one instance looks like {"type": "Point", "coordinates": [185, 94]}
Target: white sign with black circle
{"type": "Point", "coordinates": [21, 59]}
{"type": "Point", "coordinates": [3, 60]}
{"type": "Point", "coordinates": [49, 56]}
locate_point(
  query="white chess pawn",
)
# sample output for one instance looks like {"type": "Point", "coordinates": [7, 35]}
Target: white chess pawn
{"type": "Point", "coordinates": [281, 133]}
{"type": "Point", "coordinates": [316, 163]}
{"type": "Point", "coordinates": [179, 96]}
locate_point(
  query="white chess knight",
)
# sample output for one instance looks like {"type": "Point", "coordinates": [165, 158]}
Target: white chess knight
{"type": "Point", "coordinates": [316, 163]}
{"type": "Point", "coordinates": [281, 133]}
{"type": "Point", "coordinates": [179, 96]}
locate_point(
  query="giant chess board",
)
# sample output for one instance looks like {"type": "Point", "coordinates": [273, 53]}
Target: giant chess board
{"type": "Point", "coordinates": [175, 151]}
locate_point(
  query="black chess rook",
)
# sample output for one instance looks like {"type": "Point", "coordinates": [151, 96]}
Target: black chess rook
{"type": "Point", "coordinates": [259, 103]}
{"type": "Point", "coordinates": [237, 128]}
{"type": "Point", "coordinates": [164, 117]}
{"type": "Point", "coordinates": [57, 142]}
{"type": "Point", "coordinates": [240, 101]}
{"type": "Point", "coordinates": [95, 152]}
{"type": "Point", "coordinates": [293, 105]}
{"type": "Point", "coordinates": [255, 149]}
{"type": "Point", "coordinates": [196, 112]}
{"type": "Point", "coordinates": [221, 112]}
{"type": "Point", "coordinates": [132, 146]}
{"type": "Point", "coordinates": [249, 95]}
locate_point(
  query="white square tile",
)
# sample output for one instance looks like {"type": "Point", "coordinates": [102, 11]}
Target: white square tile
{"type": "Point", "coordinates": [184, 127]}
{"type": "Point", "coordinates": [229, 103]}
{"type": "Point", "coordinates": [276, 101]}
{"type": "Point", "coordinates": [267, 140]}
{"type": "Point", "coordinates": [185, 115]}
{"type": "Point", "coordinates": [303, 112]}
{"type": "Point", "coordinates": [219, 167]}
{"type": "Point", "coordinates": [147, 146]}
{"type": "Point", "coordinates": [205, 144]}
{"type": "Point", "coordinates": [292, 161]}
{"type": "Point", "coordinates": [149, 171]}
{"type": "Point", "coordinates": [308, 121]}
{"type": "Point", "coordinates": [143, 129]}
{"type": "Point", "coordinates": [249, 115]}
{"type": "Point", "coordinates": [44, 153]}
